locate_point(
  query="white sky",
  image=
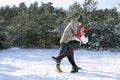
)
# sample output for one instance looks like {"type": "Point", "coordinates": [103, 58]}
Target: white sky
{"type": "Point", "coordinates": [62, 3]}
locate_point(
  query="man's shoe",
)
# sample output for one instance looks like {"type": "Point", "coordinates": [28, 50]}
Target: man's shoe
{"type": "Point", "coordinates": [74, 71]}
{"type": "Point", "coordinates": [58, 69]}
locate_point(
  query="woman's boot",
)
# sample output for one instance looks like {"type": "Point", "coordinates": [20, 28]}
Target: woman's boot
{"type": "Point", "coordinates": [74, 69]}
{"type": "Point", "coordinates": [57, 59]}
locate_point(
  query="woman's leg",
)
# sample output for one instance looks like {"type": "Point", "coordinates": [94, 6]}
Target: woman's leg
{"type": "Point", "coordinates": [70, 56]}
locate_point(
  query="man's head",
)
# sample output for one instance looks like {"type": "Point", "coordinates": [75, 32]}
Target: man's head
{"type": "Point", "coordinates": [80, 20]}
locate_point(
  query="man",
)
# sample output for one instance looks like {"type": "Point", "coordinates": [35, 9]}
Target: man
{"type": "Point", "coordinates": [70, 40]}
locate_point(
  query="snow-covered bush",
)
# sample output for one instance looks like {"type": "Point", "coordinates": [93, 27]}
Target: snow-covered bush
{"type": "Point", "coordinates": [101, 35]}
{"type": "Point", "coordinates": [117, 35]}
{"type": "Point", "coordinates": [117, 29]}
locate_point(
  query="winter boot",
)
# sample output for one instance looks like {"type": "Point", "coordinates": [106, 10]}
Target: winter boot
{"type": "Point", "coordinates": [58, 69]}
{"type": "Point", "coordinates": [57, 59]}
{"type": "Point", "coordinates": [74, 69]}
{"type": "Point", "coordinates": [77, 67]}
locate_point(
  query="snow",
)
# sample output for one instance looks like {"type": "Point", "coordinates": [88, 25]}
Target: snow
{"type": "Point", "coordinates": [36, 64]}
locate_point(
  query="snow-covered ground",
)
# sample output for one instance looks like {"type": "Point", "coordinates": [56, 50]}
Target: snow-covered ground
{"type": "Point", "coordinates": [36, 64]}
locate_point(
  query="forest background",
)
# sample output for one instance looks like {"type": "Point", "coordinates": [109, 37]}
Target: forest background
{"type": "Point", "coordinates": [42, 26]}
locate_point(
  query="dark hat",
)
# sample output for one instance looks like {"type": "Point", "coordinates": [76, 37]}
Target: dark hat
{"type": "Point", "coordinates": [80, 19]}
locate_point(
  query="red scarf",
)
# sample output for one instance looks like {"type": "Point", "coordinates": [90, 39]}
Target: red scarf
{"type": "Point", "coordinates": [78, 34]}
